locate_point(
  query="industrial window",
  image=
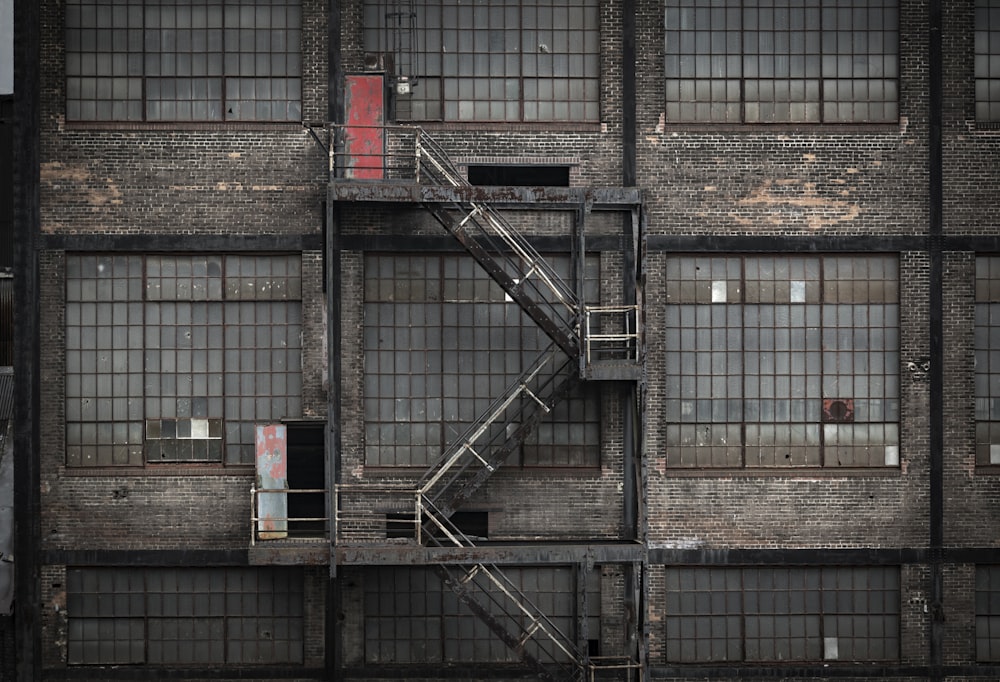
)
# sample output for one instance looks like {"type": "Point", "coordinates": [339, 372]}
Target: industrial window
{"type": "Point", "coordinates": [175, 358]}
{"type": "Point", "coordinates": [411, 616]}
{"type": "Point", "coordinates": [988, 613]}
{"type": "Point", "coordinates": [442, 341]}
{"type": "Point", "coordinates": [987, 61]}
{"type": "Point", "coordinates": [781, 61]}
{"type": "Point", "coordinates": [782, 361]}
{"type": "Point", "coordinates": [484, 60]}
{"type": "Point", "coordinates": [772, 614]}
{"type": "Point", "coordinates": [166, 616]}
{"type": "Point", "coordinates": [183, 60]}
{"type": "Point", "coordinates": [987, 340]}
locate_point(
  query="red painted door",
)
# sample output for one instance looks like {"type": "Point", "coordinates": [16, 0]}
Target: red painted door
{"type": "Point", "coordinates": [364, 139]}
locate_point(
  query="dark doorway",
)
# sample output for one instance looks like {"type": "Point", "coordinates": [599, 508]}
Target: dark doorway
{"type": "Point", "coordinates": [306, 471]}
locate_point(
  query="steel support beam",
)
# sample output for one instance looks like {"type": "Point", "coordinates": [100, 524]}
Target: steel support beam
{"type": "Point", "coordinates": [540, 553]}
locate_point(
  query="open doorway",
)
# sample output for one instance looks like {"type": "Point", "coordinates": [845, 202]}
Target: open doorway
{"type": "Point", "coordinates": [306, 471]}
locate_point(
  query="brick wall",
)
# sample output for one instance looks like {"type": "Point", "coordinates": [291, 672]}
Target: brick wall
{"type": "Point", "coordinates": [826, 182]}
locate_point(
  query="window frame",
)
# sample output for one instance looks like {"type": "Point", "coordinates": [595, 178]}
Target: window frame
{"type": "Point", "coordinates": [131, 78]}
{"type": "Point", "coordinates": [810, 63]}
{"type": "Point", "coordinates": [986, 358]}
{"type": "Point", "coordinates": [467, 89]}
{"type": "Point", "coordinates": [986, 65]}
{"type": "Point", "coordinates": [133, 316]}
{"type": "Point", "coordinates": [987, 613]}
{"type": "Point", "coordinates": [460, 276]}
{"type": "Point", "coordinates": [401, 601]}
{"type": "Point", "coordinates": [759, 384]}
{"type": "Point", "coordinates": [119, 596]}
{"type": "Point", "coordinates": [814, 595]}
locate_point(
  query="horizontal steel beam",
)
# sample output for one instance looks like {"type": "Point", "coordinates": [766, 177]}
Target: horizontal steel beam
{"type": "Point", "coordinates": [540, 553]}
{"type": "Point", "coordinates": [181, 242]}
{"type": "Point", "coordinates": [599, 198]}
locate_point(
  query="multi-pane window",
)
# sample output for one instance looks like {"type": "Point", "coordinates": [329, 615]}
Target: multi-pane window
{"type": "Point", "coordinates": [183, 60]}
{"type": "Point", "coordinates": [776, 361]}
{"type": "Point", "coordinates": [987, 61]}
{"type": "Point", "coordinates": [442, 342]}
{"type": "Point", "coordinates": [412, 616]}
{"type": "Point", "coordinates": [484, 60]}
{"type": "Point", "coordinates": [166, 616]}
{"type": "Point", "coordinates": [772, 614]}
{"type": "Point", "coordinates": [175, 358]}
{"type": "Point", "coordinates": [988, 613]}
{"type": "Point", "coordinates": [781, 61]}
{"type": "Point", "coordinates": [987, 342]}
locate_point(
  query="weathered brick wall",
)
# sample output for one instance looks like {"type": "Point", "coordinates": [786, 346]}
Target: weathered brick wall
{"type": "Point", "coordinates": [826, 181]}
{"type": "Point", "coordinates": [180, 507]}
{"type": "Point", "coordinates": [190, 179]}
{"type": "Point", "coordinates": [721, 179]}
{"type": "Point", "coordinates": [692, 509]}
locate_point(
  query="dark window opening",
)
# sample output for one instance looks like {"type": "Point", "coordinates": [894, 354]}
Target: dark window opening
{"type": "Point", "coordinates": [400, 525]}
{"type": "Point", "coordinates": [520, 176]}
{"type": "Point", "coordinates": [472, 524]}
{"type": "Point", "coordinates": [306, 471]}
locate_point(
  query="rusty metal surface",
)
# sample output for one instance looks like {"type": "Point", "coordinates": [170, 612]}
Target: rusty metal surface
{"type": "Point", "coordinates": [364, 136]}
{"type": "Point", "coordinates": [541, 553]}
{"type": "Point", "coordinates": [289, 553]}
{"type": "Point", "coordinates": [410, 192]}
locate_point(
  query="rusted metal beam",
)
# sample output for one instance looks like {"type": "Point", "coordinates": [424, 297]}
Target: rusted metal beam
{"type": "Point", "coordinates": [540, 553]}
{"type": "Point", "coordinates": [601, 198]}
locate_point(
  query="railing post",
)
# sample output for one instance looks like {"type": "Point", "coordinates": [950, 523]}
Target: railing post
{"type": "Point", "coordinates": [417, 152]}
{"type": "Point", "coordinates": [253, 515]}
{"type": "Point", "coordinates": [418, 515]}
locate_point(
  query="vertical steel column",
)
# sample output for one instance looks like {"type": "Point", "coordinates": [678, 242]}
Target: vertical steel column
{"type": "Point", "coordinates": [631, 408]}
{"type": "Point", "coordinates": [27, 222]}
{"type": "Point", "coordinates": [332, 433]}
{"type": "Point", "coordinates": [936, 349]}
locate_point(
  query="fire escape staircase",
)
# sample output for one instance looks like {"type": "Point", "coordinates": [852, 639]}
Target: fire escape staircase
{"type": "Point", "coordinates": [464, 467]}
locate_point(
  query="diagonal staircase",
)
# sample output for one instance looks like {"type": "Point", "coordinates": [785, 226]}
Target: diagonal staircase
{"type": "Point", "coordinates": [530, 281]}
{"type": "Point", "coordinates": [534, 285]}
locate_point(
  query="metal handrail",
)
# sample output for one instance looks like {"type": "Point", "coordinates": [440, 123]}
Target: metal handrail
{"type": "Point", "coordinates": [624, 341]}
{"type": "Point", "coordinates": [255, 518]}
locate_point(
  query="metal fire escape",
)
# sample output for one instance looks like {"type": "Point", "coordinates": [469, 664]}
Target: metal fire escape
{"type": "Point", "coordinates": [588, 342]}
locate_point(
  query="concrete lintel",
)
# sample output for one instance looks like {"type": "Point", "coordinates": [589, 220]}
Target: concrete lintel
{"type": "Point", "coordinates": [540, 553]}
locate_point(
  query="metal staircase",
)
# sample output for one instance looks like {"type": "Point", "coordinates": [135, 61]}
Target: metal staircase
{"type": "Point", "coordinates": [503, 253]}
{"type": "Point", "coordinates": [575, 330]}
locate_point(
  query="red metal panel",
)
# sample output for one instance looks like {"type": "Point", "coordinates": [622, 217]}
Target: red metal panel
{"type": "Point", "coordinates": [272, 474]}
{"type": "Point", "coordinates": [364, 143]}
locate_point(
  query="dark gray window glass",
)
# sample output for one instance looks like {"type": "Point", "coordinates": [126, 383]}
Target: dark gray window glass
{"type": "Point", "coordinates": [987, 343]}
{"type": "Point", "coordinates": [183, 60]}
{"type": "Point", "coordinates": [411, 616]}
{"type": "Point", "coordinates": [176, 358]}
{"type": "Point", "coordinates": [776, 361]}
{"type": "Point", "coordinates": [441, 342]}
{"type": "Point", "coordinates": [781, 61]}
{"type": "Point", "coordinates": [165, 616]}
{"type": "Point", "coordinates": [987, 55]}
{"type": "Point", "coordinates": [988, 613]}
{"type": "Point", "coordinates": [769, 614]}
{"type": "Point", "coordinates": [489, 60]}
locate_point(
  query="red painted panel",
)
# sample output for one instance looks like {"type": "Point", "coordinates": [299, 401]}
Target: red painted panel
{"type": "Point", "coordinates": [364, 141]}
{"type": "Point", "coordinates": [272, 468]}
